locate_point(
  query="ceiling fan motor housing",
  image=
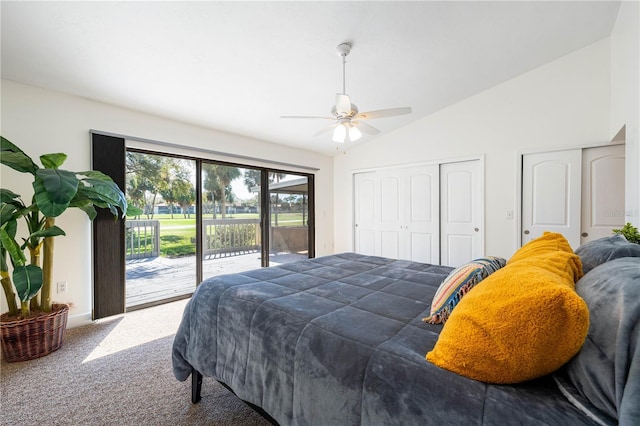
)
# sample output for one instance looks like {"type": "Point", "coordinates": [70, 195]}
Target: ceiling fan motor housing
{"type": "Point", "coordinates": [352, 113]}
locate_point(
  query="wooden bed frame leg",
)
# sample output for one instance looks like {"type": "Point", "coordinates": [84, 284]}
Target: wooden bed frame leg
{"type": "Point", "coordinates": [196, 385]}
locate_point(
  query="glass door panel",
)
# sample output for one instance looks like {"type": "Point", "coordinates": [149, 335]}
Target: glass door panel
{"type": "Point", "coordinates": [289, 218]}
{"type": "Point", "coordinates": [231, 237]}
{"type": "Point", "coordinates": [160, 243]}
{"type": "Point", "coordinates": [243, 226]}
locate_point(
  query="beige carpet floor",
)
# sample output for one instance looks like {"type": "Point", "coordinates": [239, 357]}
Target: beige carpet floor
{"type": "Point", "coordinates": [116, 371]}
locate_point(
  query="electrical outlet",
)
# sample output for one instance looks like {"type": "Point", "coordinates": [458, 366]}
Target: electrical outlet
{"type": "Point", "coordinates": [62, 287]}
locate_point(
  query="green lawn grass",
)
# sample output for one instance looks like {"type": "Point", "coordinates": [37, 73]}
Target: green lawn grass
{"type": "Point", "coordinates": [177, 242]}
{"type": "Point", "coordinates": [177, 234]}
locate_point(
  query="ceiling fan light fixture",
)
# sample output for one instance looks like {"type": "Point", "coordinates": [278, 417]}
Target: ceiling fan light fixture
{"type": "Point", "coordinates": [339, 133]}
{"type": "Point", "coordinates": [343, 112]}
{"type": "Point", "coordinates": [354, 133]}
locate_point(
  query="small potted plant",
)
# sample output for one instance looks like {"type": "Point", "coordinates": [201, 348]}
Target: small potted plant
{"type": "Point", "coordinates": [36, 327]}
{"type": "Point", "coordinates": [630, 232]}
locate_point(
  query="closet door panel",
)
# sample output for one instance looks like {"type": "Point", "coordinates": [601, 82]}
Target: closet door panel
{"type": "Point", "coordinates": [365, 204]}
{"type": "Point", "coordinates": [602, 191]}
{"type": "Point", "coordinates": [461, 238]}
{"type": "Point", "coordinates": [421, 248]}
{"type": "Point", "coordinates": [423, 214]}
{"type": "Point", "coordinates": [390, 245]}
{"type": "Point", "coordinates": [392, 214]}
{"type": "Point", "coordinates": [459, 249]}
{"type": "Point", "coordinates": [551, 194]}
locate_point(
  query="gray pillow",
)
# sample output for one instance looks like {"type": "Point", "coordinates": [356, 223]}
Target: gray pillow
{"type": "Point", "coordinates": [602, 250]}
{"type": "Point", "coordinates": [606, 371]}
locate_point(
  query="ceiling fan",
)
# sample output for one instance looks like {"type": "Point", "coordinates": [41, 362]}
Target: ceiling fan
{"type": "Point", "coordinates": [347, 120]}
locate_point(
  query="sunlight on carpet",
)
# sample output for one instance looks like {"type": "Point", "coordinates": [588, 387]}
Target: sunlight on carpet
{"type": "Point", "coordinates": [126, 335]}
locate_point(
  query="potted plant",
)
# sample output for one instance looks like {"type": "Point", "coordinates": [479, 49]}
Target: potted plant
{"type": "Point", "coordinates": [36, 327]}
{"type": "Point", "coordinates": [630, 232]}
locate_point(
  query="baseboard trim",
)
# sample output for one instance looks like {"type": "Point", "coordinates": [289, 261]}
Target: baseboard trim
{"type": "Point", "coordinates": [79, 320]}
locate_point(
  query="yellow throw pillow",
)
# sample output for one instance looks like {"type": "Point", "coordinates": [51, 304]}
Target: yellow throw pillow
{"type": "Point", "coordinates": [549, 242]}
{"type": "Point", "coordinates": [522, 322]}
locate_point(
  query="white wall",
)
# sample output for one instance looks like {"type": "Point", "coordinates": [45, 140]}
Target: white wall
{"type": "Point", "coordinates": [41, 121]}
{"type": "Point", "coordinates": [579, 100]}
{"type": "Point", "coordinates": [565, 103]}
{"type": "Point", "coordinates": [625, 96]}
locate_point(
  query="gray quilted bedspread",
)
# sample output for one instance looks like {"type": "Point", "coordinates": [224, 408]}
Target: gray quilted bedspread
{"type": "Point", "coordinates": [338, 340]}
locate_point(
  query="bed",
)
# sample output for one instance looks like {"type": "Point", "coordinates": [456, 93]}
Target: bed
{"type": "Point", "coordinates": [339, 340]}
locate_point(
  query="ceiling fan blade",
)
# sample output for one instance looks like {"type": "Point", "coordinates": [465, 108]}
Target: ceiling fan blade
{"type": "Point", "coordinates": [307, 116]}
{"type": "Point", "coordinates": [343, 104]}
{"type": "Point", "coordinates": [325, 130]}
{"type": "Point", "coordinates": [367, 128]}
{"type": "Point", "coordinates": [383, 113]}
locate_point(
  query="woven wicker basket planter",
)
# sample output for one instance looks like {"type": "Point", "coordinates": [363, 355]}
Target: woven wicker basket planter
{"type": "Point", "coordinates": [35, 337]}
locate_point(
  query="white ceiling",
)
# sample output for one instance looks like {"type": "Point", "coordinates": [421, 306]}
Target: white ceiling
{"type": "Point", "coordinates": [239, 66]}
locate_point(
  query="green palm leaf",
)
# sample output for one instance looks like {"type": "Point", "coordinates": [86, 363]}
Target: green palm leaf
{"type": "Point", "coordinates": [15, 158]}
{"type": "Point", "coordinates": [11, 227]}
{"type": "Point", "coordinates": [133, 211]}
{"type": "Point", "coordinates": [61, 185]}
{"type": "Point", "coordinates": [95, 174]}
{"type": "Point", "coordinates": [11, 246]}
{"type": "Point", "coordinates": [88, 195]}
{"type": "Point", "coordinates": [28, 281]}
{"type": "Point", "coordinates": [52, 161]}
{"type": "Point", "coordinates": [103, 191]}
{"type": "Point", "coordinates": [54, 231]}
{"type": "Point", "coordinates": [84, 204]}
{"type": "Point", "coordinates": [7, 196]}
{"type": "Point", "coordinates": [44, 203]}
{"type": "Point", "coordinates": [54, 190]}
{"type": "Point", "coordinates": [7, 213]}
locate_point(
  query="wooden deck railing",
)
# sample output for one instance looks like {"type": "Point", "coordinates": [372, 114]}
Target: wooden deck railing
{"type": "Point", "coordinates": [225, 237]}
{"type": "Point", "coordinates": [142, 238]}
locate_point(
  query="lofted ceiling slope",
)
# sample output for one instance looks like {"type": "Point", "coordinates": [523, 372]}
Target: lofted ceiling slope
{"type": "Point", "coordinates": [239, 66]}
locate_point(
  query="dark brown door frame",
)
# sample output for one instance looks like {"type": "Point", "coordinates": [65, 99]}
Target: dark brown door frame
{"type": "Point", "coordinates": [109, 274]}
{"type": "Point", "coordinates": [311, 220]}
{"type": "Point", "coordinates": [108, 156]}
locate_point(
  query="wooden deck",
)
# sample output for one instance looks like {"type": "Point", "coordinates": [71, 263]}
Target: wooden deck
{"type": "Point", "coordinates": [155, 279]}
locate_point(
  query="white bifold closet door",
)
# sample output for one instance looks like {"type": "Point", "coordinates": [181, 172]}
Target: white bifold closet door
{"type": "Point", "coordinates": [398, 213]}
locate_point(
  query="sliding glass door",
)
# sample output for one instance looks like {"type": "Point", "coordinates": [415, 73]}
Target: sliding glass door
{"type": "Point", "coordinates": [288, 218]}
{"type": "Point", "coordinates": [161, 242]}
{"type": "Point", "coordinates": [231, 230]}
{"type": "Point", "coordinates": [201, 219]}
